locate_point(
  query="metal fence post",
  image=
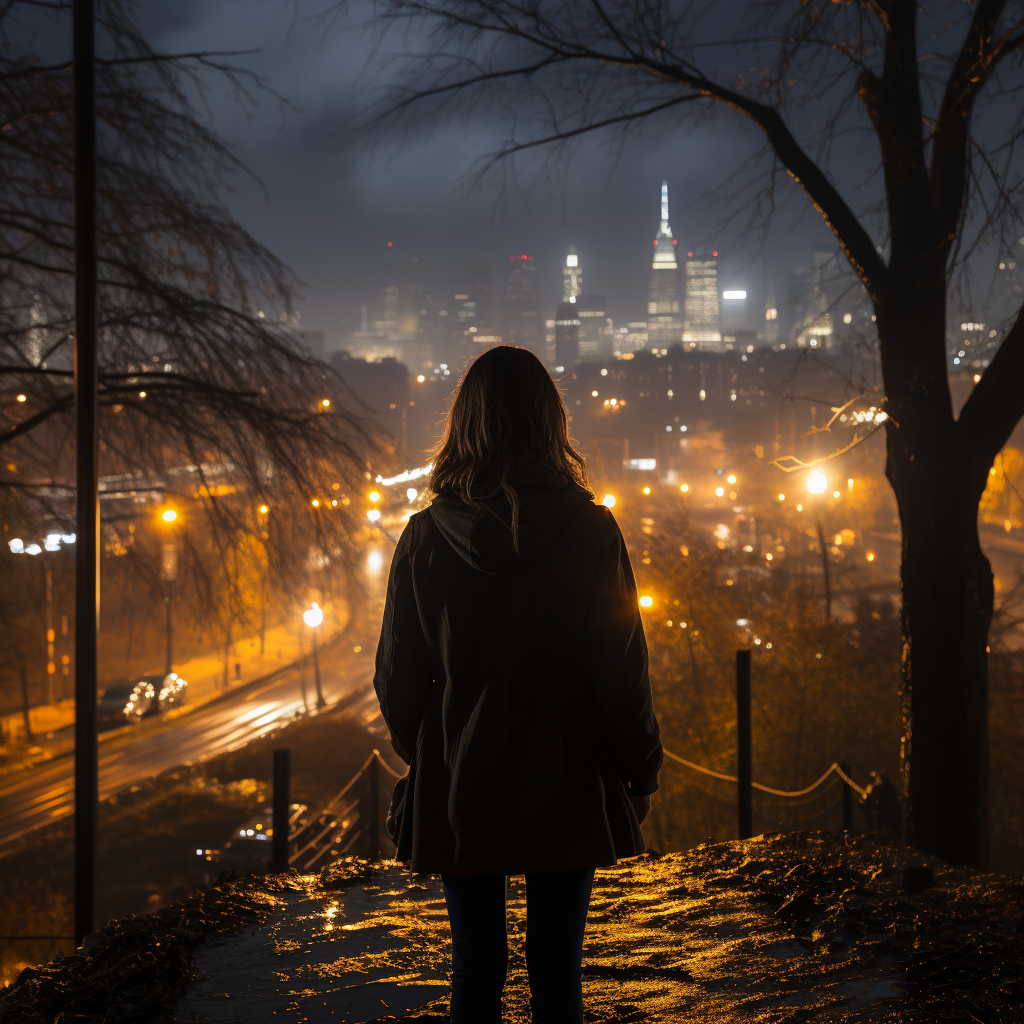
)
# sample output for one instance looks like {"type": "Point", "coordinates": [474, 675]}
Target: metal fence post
{"type": "Point", "coordinates": [847, 800]}
{"type": "Point", "coordinates": [87, 503]}
{"type": "Point", "coordinates": [282, 809]}
{"type": "Point", "coordinates": [744, 754]}
{"type": "Point", "coordinates": [373, 815]}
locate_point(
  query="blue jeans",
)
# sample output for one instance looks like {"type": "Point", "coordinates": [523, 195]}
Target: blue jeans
{"type": "Point", "coordinates": [556, 916]}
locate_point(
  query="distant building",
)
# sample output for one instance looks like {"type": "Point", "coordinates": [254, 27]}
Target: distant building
{"type": "Point", "coordinates": [633, 337]}
{"type": "Point", "coordinates": [771, 315]}
{"type": "Point", "coordinates": [813, 328]}
{"type": "Point", "coordinates": [522, 322]}
{"type": "Point", "coordinates": [733, 311]}
{"type": "Point", "coordinates": [567, 328]}
{"type": "Point", "coordinates": [596, 339]}
{"type": "Point", "coordinates": [663, 324]}
{"type": "Point", "coordinates": [572, 277]}
{"type": "Point", "coordinates": [701, 322]}
{"type": "Point", "coordinates": [471, 283]}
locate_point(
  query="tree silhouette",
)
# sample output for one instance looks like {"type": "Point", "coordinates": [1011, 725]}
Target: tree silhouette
{"type": "Point", "coordinates": [931, 98]}
{"type": "Point", "coordinates": [206, 394]}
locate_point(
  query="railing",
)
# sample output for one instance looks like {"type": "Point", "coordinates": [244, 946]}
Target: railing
{"type": "Point", "coordinates": [349, 822]}
{"type": "Point", "coordinates": [353, 824]}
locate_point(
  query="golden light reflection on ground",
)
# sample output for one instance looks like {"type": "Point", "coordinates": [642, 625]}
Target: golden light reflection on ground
{"type": "Point", "coordinates": [795, 927]}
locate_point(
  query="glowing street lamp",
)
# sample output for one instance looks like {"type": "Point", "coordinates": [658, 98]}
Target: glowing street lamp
{"type": "Point", "coordinates": [608, 501]}
{"type": "Point", "coordinates": [168, 515]}
{"type": "Point", "coordinates": [646, 601]}
{"type": "Point", "coordinates": [313, 616]}
{"type": "Point", "coordinates": [816, 482]}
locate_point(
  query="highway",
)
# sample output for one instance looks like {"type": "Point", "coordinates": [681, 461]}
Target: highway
{"type": "Point", "coordinates": [45, 794]}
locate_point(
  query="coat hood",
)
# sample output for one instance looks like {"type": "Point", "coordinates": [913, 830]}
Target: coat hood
{"type": "Point", "coordinates": [481, 532]}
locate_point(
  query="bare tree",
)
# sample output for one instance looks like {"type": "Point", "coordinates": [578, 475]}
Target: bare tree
{"type": "Point", "coordinates": [207, 398]}
{"type": "Point", "coordinates": [930, 99]}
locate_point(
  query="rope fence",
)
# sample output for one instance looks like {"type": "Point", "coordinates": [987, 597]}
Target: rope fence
{"type": "Point", "coordinates": [834, 767]}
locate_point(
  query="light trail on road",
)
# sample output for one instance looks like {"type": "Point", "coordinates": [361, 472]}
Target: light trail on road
{"type": "Point", "coordinates": [46, 794]}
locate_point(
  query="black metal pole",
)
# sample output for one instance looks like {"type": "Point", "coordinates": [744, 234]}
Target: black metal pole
{"type": "Point", "coordinates": [320, 702]}
{"type": "Point", "coordinates": [373, 821]}
{"type": "Point", "coordinates": [847, 801]}
{"type": "Point", "coordinates": [170, 631]}
{"type": "Point", "coordinates": [87, 570]}
{"type": "Point", "coordinates": [744, 753]}
{"type": "Point", "coordinates": [282, 809]}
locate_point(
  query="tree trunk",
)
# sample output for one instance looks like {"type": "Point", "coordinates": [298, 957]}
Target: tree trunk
{"type": "Point", "coordinates": [947, 608]}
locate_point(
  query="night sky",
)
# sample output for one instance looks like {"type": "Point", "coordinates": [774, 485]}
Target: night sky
{"type": "Point", "coordinates": [331, 205]}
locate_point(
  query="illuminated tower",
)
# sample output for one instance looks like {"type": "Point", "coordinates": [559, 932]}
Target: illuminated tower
{"type": "Point", "coordinates": [572, 277]}
{"type": "Point", "coordinates": [701, 324]}
{"type": "Point", "coordinates": [663, 324]}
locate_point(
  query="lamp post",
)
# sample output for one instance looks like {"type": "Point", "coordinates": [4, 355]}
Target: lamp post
{"type": "Point", "coordinates": [313, 616]}
{"type": "Point", "coordinates": [816, 485]}
{"type": "Point", "coordinates": [169, 573]}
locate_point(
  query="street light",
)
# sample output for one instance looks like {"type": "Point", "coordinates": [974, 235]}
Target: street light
{"type": "Point", "coordinates": [168, 574]}
{"type": "Point", "coordinates": [608, 501]}
{"type": "Point", "coordinates": [817, 484]}
{"type": "Point", "coordinates": [313, 616]}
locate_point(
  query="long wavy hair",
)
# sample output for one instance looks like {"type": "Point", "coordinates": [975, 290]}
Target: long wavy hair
{"type": "Point", "coordinates": [506, 407]}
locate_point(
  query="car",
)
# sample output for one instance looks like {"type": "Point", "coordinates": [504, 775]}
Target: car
{"type": "Point", "coordinates": [248, 850]}
{"type": "Point", "coordinates": [173, 691]}
{"type": "Point", "coordinates": [155, 693]}
{"type": "Point", "coordinates": [110, 710]}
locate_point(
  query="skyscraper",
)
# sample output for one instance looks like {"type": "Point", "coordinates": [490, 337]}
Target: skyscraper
{"type": "Point", "coordinates": [701, 325]}
{"type": "Point", "coordinates": [663, 324]}
{"type": "Point", "coordinates": [522, 323]}
{"type": "Point", "coordinates": [572, 277]}
{"type": "Point", "coordinates": [567, 326]}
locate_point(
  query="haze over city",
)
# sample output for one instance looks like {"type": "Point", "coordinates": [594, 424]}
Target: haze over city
{"type": "Point", "coordinates": [460, 450]}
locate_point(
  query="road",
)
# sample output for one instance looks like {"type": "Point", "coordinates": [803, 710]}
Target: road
{"type": "Point", "coordinates": [45, 794]}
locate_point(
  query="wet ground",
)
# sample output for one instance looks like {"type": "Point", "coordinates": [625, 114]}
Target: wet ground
{"type": "Point", "coordinates": [782, 928]}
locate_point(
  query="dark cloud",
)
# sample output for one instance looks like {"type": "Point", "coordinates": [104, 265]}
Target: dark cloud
{"type": "Point", "coordinates": [333, 201]}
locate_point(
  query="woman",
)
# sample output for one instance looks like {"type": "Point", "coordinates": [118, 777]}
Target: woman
{"type": "Point", "coordinates": [512, 673]}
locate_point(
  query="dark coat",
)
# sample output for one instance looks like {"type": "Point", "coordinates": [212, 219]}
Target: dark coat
{"type": "Point", "coordinates": [516, 686]}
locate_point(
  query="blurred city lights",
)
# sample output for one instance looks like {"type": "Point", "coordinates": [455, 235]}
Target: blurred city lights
{"type": "Point", "coordinates": [836, 494]}
{"type": "Point", "coordinates": [646, 601]}
{"type": "Point", "coordinates": [411, 493]}
{"type": "Point", "coordinates": [685, 488]}
{"type": "Point", "coordinates": [264, 510]}
{"type": "Point", "coordinates": [731, 478]}
{"type": "Point", "coordinates": [313, 615]}
{"type": "Point", "coordinates": [374, 496]}
{"type": "Point", "coordinates": [608, 501]}
{"type": "Point", "coordinates": [871, 556]}
{"type": "Point", "coordinates": [326, 403]}
{"type": "Point", "coordinates": [849, 484]}
{"type": "Point", "coordinates": [647, 490]}
{"type": "Point", "coordinates": [816, 482]}
{"type": "Point", "coordinates": [169, 515]}
{"type": "Point", "coordinates": [22, 398]}
{"type": "Point", "coordinates": [421, 378]}
{"type": "Point", "coordinates": [316, 503]}
{"type": "Point", "coordinates": [782, 497]}
{"type": "Point", "coordinates": [142, 394]}
{"type": "Point", "coordinates": [374, 561]}
{"type": "Point", "coordinates": [719, 491]}
{"type": "Point", "coordinates": [373, 515]}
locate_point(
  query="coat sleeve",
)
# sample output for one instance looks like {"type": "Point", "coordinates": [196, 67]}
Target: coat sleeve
{"type": "Point", "coordinates": [402, 677]}
{"type": "Point", "coordinates": [617, 668]}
